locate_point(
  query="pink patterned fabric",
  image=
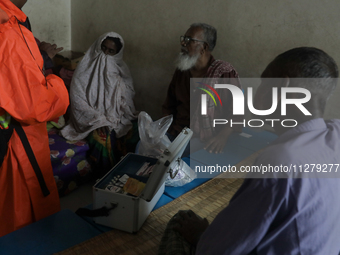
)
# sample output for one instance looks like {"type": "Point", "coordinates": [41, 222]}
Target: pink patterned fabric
{"type": "Point", "coordinates": [202, 125]}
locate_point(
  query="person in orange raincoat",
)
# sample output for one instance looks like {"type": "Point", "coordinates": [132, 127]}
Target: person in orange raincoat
{"type": "Point", "coordinates": [29, 98]}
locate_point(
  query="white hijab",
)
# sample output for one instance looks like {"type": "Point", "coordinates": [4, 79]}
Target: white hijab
{"type": "Point", "coordinates": [101, 93]}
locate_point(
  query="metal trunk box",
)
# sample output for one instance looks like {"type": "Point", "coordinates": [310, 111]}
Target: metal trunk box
{"type": "Point", "coordinates": [129, 212]}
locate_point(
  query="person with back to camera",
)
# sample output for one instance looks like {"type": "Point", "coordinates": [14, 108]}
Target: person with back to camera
{"type": "Point", "coordinates": [286, 213]}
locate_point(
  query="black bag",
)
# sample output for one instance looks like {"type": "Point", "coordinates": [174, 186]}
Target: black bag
{"type": "Point", "coordinates": [5, 135]}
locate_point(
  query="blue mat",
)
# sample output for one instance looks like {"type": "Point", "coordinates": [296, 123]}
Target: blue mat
{"type": "Point", "coordinates": [257, 140]}
{"type": "Point", "coordinates": [50, 235]}
{"type": "Point", "coordinates": [232, 154]}
{"type": "Point", "coordinates": [163, 201]}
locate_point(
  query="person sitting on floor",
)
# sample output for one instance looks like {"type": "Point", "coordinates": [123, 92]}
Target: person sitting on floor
{"type": "Point", "coordinates": [101, 94]}
{"type": "Point", "coordinates": [196, 61]}
{"type": "Point", "coordinates": [292, 215]}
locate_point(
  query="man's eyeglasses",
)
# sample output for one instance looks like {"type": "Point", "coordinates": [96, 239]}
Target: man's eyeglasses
{"type": "Point", "coordinates": [187, 40]}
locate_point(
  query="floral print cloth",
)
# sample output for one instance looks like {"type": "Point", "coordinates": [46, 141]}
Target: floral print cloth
{"type": "Point", "coordinates": [69, 163]}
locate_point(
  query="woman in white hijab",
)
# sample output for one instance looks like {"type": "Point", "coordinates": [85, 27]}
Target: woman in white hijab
{"type": "Point", "coordinates": [101, 91]}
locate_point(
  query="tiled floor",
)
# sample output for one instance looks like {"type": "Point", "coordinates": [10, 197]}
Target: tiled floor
{"type": "Point", "coordinates": [80, 197]}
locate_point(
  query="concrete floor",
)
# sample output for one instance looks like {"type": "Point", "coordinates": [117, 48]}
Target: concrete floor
{"type": "Point", "coordinates": [80, 197]}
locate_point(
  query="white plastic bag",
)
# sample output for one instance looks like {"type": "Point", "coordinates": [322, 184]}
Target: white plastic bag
{"type": "Point", "coordinates": [183, 174]}
{"type": "Point", "coordinates": [154, 142]}
{"type": "Point", "coordinates": [152, 135]}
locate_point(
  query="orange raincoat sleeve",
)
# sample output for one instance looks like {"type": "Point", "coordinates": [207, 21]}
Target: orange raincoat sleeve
{"type": "Point", "coordinates": [28, 97]}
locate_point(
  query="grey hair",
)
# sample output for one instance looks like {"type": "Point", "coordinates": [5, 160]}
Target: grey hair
{"type": "Point", "coordinates": [210, 34]}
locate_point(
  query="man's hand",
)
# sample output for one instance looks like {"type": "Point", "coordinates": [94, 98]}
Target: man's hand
{"type": "Point", "coordinates": [217, 143]}
{"type": "Point", "coordinates": [50, 49]}
{"type": "Point", "coordinates": [190, 226]}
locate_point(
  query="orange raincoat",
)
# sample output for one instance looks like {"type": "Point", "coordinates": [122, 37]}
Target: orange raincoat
{"type": "Point", "coordinates": [32, 100]}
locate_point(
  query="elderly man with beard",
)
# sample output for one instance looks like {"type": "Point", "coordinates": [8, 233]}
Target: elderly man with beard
{"type": "Point", "coordinates": [196, 61]}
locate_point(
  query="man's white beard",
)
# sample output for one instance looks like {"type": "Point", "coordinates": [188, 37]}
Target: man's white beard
{"type": "Point", "coordinates": [185, 62]}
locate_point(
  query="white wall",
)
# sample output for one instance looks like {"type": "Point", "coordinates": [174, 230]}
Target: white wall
{"type": "Point", "coordinates": [50, 20]}
{"type": "Point", "coordinates": [250, 35]}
